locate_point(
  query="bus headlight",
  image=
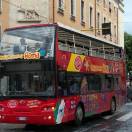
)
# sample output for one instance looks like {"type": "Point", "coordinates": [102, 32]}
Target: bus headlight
{"type": "Point", "coordinates": [49, 117]}
{"type": "Point", "coordinates": [49, 108]}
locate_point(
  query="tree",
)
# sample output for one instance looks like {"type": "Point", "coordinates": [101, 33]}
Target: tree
{"type": "Point", "coordinates": [128, 48]}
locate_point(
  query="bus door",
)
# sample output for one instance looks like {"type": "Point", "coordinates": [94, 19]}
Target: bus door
{"type": "Point", "coordinates": [68, 90]}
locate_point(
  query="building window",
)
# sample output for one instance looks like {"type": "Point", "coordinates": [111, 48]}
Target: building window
{"type": "Point", "coordinates": [110, 7]}
{"type": "Point", "coordinates": [73, 9]}
{"type": "Point", "coordinates": [61, 6]}
{"type": "Point", "coordinates": [82, 12]}
{"type": "Point", "coordinates": [104, 19]}
{"type": "Point", "coordinates": [115, 31]}
{"type": "Point", "coordinates": [98, 20]}
{"type": "Point", "coordinates": [91, 17]}
{"type": "Point", "coordinates": [98, 23]}
{"type": "Point", "coordinates": [104, 3]}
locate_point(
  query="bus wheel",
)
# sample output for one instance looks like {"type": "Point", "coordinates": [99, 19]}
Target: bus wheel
{"type": "Point", "coordinates": [113, 106]}
{"type": "Point", "coordinates": [79, 115]}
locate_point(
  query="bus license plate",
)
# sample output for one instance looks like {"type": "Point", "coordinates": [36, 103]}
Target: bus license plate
{"type": "Point", "coordinates": [22, 118]}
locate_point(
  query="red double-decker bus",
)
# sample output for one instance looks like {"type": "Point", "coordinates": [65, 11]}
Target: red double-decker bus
{"type": "Point", "coordinates": [52, 74]}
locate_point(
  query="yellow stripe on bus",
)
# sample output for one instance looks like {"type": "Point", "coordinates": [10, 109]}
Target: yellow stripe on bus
{"type": "Point", "coordinates": [75, 63]}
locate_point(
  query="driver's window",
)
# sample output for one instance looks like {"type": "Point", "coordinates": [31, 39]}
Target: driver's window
{"type": "Point", "coordinates": [62, 83]}
{"type": "Point", "coordinates": [4, 85]}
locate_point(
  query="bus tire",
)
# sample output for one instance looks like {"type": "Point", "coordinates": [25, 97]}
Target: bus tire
{"type": "Point", "coordinates": [112, 106]}
{"type": "Point", "coordinates": [79, 115]}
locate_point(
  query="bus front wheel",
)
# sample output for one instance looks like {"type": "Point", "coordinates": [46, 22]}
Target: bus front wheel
{"type": "Point", "coordinates": [113, 106]}
{"type": "Point", "coordinates": [79, 114]}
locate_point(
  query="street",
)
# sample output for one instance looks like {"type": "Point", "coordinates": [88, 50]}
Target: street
{"type": "Point", "coordinates": [121, 121]}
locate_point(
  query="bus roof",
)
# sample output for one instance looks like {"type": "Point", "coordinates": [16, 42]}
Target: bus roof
{"type": "Point", "coordinates": [70, 29]}
{"type": "Point", "coordinates": [29, 26]}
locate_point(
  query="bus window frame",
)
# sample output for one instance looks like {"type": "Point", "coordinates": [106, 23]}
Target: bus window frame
{"type": "Point", "coordinates": [75, 74]}
{"type": "Point", "coordinates": [94, 91]}
{"type": "Point", "coordinates": [111, 77]}
{"type": "Point", "coordinates": [118, 84]}
{"type": "Point", "coordinates": [59, 85]}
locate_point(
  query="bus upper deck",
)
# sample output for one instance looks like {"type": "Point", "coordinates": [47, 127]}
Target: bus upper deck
{"type": "Point", "coordinates": [30, 38]}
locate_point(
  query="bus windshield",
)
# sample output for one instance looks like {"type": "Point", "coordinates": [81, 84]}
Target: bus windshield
{"type": "Point", "coordinates": [33, 39]}
{"type": "Point", "coordinates": [33, 79]}
{"type": "Point", "coordinates": [33, 84]}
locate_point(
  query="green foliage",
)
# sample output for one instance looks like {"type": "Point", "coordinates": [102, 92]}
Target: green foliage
{"type": "Point", "coordinates": [128, 48]}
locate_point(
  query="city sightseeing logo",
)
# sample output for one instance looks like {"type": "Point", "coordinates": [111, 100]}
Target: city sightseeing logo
{"type": "Point", "coordinates": [78, 63]}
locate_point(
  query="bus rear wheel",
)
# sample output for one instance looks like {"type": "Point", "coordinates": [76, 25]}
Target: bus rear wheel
{"type": "Point", "coordinates": [112, 106]}
{"type": "Point", "coordinates": [79, 114]}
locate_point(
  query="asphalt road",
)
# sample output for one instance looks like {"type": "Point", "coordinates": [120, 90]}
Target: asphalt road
{"type": "Point", "coordinates": [121, 121]}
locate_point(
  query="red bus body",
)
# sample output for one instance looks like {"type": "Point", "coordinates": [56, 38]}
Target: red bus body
{"type": "Point", "coordinates": [62, 109]}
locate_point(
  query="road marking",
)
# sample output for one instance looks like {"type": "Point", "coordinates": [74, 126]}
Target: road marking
{"type": "Point", "coordinates": [125, 117]}
{"type": "Point", "coordinates": [85, 129]}
{"type": "Point", "coordinates": [128, 104]}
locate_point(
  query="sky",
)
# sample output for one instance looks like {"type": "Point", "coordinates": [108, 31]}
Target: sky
{"type": "Point", "coordinates": [128, 16]}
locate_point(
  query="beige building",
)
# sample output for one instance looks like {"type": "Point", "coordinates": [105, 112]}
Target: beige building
{"type": "Point", "coordinates": [121, 24]}
{"type": "Point", "coordinates": [4, 16]}
{"type": "Point", "coordinates": [83, 15]}
{"type": "Point", "coordinates": [88, 16]}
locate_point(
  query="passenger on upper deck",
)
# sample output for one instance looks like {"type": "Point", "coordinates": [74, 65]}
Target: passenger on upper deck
{"type": "Point", "coordinates": [17, 49]}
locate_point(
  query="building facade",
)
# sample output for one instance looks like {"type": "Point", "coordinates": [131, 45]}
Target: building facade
{"type": "Point", "coordinates": [88, 16]}
{"type": "Point", "coordinates": [121, 24]}
{"type": "Point", "coordinates": [83, 15]}
{"type": "Point", "coordinates": [4, 16]}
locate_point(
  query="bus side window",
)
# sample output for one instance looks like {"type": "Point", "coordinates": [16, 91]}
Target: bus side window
{"type": "Point", "coordinates": [84, 85]}
{"type": "Point", "coordinates": [62, 84]}
{"type": "Point", "coordinates": [109, 82]}
{"type": "Point", "coordinates": [73, 83]}
{"type": "Point", "coordinates": [94, 82]}
{"type": "Point", "coordinates": [103, 88]}
{"type": "Point", "coordinates": [116, 83]}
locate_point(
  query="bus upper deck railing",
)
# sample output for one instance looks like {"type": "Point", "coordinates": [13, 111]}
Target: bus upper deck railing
{"type": "Point", "coordinates": [90, 52]}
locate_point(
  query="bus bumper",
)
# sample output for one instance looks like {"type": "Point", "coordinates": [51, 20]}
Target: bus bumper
{"type": "Point", "coordinates": [32, 119]}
